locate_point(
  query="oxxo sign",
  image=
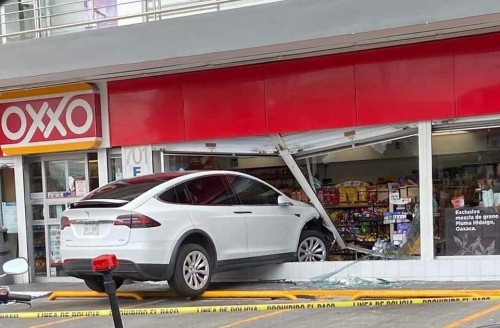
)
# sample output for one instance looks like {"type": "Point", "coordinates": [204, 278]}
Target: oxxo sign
{"type": "Point", "coordinates": [49, 120]}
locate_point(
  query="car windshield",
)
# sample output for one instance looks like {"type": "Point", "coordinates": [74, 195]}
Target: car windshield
{"type": "Point", "coordinates": [129, 189]}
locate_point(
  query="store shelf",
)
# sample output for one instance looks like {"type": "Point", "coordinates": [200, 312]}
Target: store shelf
{"type": "Point", "coordinates": [376, 219]}
{"type": "Point", "coordinates": [365, 243]}
{"type": "Point", "coordinates": [354, 205]}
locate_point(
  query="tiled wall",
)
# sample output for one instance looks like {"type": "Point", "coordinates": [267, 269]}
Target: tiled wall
{"type": "Point", "coordinates": [485, 269]}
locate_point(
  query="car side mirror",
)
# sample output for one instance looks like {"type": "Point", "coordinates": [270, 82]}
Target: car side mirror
{"type": "Point", "coordinates": [284, 201]}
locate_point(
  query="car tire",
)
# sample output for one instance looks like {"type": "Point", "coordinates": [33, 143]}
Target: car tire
{"type": "Point", "coordinates": [96, 283]}
{"type": "Point", "coordinates": [192, 271]}
{"type": "Point", "coordinates": [312, 247]}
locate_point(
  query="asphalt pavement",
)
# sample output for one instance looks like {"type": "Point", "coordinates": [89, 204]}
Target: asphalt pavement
{"type": "Point", "coordinates": [449, 315]}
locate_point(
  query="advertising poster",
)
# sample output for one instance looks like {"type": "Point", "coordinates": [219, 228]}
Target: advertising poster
{"type": "Point", "coordinates": [472, 231]}
{"type": "Point", "coordinates": [9, 214]}
{"type": "Point", "coordinates": [80, 187]}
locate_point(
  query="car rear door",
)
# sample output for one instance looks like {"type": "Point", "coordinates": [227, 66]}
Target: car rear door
{"type": "Point", "coordinates": [271, 229]}
{"type": "Point", "coordinates": [213, 211]}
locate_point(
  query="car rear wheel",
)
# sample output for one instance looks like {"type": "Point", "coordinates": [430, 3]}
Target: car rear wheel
{"type": "Point", "coordinates": [312, 247]}
{"type": "Point", "coordinates": [96, 283]}
{"type": "Point", "coordinates": [192, 272]}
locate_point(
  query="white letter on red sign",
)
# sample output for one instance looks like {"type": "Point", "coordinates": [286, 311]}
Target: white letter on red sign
{"type": "Point", "coordinates": [88, 111]}
{"type": "Point", "coordinates": [22, 117]}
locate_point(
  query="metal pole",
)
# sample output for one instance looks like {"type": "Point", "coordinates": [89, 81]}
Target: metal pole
{"type": "Point", "coordinates": [110, 287]}
{"type": "Point", "coordinates": [304, 184]}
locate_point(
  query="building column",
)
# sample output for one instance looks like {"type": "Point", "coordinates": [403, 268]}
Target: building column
{"type": "Point", "coordinates": [22, 226]}
{"type": "Point", "coordinates": [426, 190]}
{"type": "Point", "coordinates": [102, 165]}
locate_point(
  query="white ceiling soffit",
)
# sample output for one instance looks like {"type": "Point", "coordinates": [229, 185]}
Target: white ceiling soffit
{"type": "Point", "coordinates": [241, 146]}
{"type": "Point", "coordinates": [301, 145]}
{"type": "Point", "coordinates": [467, 123]}
{"type": "Point", "coordinates": [309, 144]}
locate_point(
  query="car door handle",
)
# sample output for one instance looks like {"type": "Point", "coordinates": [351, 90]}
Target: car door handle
{"type": "Point", "coordinates": [242, 212]}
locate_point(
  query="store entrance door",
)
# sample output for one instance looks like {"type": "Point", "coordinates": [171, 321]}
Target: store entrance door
{"type": "Point", "coordinates": [54, 183]}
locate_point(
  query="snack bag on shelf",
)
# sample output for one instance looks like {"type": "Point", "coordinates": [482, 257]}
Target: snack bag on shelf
{"type": "Point", "coordinates": [321, 196]}
{"type": "Point", "coordinates": [343, 191]}
{"type": "Point", "coordinates": [352, 194]}
{"type": "Point", "coordinates": [363, 194]}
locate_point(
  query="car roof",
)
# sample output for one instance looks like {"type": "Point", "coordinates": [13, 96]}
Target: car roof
{"type": "Point", "coordinates": [156, 177]}
{"type": "Point", "coordinates": [176, 174]}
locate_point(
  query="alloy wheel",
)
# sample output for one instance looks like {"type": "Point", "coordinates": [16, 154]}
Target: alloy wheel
{"type": "Point", "coordinates": [312, 249]}
{"type": "Point", "coordinates": [196, 270]}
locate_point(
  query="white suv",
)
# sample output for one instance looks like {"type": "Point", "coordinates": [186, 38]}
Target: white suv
{"type": "Point", "coordinates": [185, 226]}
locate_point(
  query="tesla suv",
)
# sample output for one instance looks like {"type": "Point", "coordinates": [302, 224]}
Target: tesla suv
{"type": "Point", "coordinates": [185, 226]}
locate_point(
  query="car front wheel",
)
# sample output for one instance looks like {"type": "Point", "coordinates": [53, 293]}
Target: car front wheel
{"type": "Point", "coordinates": [312, 247]}
{"type": "Point", "coordinates": [192, 272]}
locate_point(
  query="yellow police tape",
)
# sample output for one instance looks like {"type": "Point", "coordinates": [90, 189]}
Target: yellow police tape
{"type": "Point", "coordinates": [242, 308]}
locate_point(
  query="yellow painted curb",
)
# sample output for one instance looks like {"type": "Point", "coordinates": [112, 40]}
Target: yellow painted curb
{"type": "Point", "coordinates": [90, 294]}
{"type": "Point", "coordinates": [292, 294]}
{"type": "Point", "coordinates": [140, 295]}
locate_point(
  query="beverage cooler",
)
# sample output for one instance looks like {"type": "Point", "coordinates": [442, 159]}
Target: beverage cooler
{"type": "Point", "coordinates": [46, 257]}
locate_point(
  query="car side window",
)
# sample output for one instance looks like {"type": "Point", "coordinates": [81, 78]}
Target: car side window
{"type": "Point", "coordinates": [252, 192]}
{"type": "Point", "coordinates": [177, 195]}
{"type": "Point", "coordinates": [210, 190]}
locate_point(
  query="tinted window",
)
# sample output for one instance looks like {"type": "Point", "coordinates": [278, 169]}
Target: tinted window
{"type": "Point", "coordinates": [128, 189]}
{"type": "Point", "coordinates": [177, 195]}
{"type": "Point", "coordinates": [252, 192]}
{"type": "Point", "coordinates": [210, 190]}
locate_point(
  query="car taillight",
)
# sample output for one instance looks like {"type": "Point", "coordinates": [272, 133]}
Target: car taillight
{"type": "Point", "coordinates": [65, 222]}
{"type": "Point", "coordinates": [136, 221]}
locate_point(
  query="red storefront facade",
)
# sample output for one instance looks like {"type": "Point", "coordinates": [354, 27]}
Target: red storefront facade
{"type": "Point", "coordinates": [439, 80]}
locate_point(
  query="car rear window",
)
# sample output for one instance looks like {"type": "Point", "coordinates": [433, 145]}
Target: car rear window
{"type": "Point", "coordinates": [127, 190]}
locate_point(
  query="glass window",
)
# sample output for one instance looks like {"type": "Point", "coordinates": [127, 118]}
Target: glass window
{"type": "Point", "coordinates": [93, 171]}
{"type": "Point", "coordinates": [371, 194]}
{"type": "Point", "coordinates": [35, 175]}
{"type": "Point", "coordinates": [115, 167]}
{"type": "Point", "coordinates": [252, 192]}
{"type": "Point", "coordinates": [174, 163]}
{"type": "Point", "coordinates": [177, 195]}
{"type": "Point", "coordinates": [169, 196]}
{"type": "Point", "coordinates": [19, 17]}
{"type": "Point", "coordinates": [65, 178]}
{"type": "Point", "coordinates": [466, 176]}
{"type": "Point", "coordinates": [210, 190]}
{"type": "Point", "coordinates": [37, 212]}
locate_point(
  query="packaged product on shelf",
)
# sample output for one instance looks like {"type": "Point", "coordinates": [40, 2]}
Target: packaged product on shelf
{"type": "Point", "coordinates": [328, 196]}
{"type": "Point", "coordinates": [363, 194]}
{"type": "Point", "coordinates": [343, 195]}
{"type": "Point", "coordinates": [321, 196]}
{"type": "Point", "coordinates": [352, 194]}
{"type": "Point", "coordinates": [399, 236]}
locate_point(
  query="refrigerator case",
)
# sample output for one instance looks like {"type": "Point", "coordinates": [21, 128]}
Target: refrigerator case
{"type": "Point", "coordinates": [56, 269]}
